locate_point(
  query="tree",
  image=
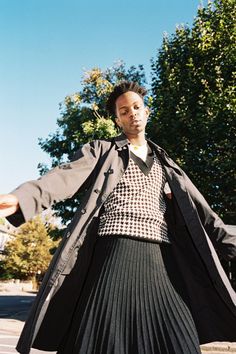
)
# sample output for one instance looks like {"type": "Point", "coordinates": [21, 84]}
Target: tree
{"type": "Point", "coordinates": [194, 102]}
{"type": "Point", "coordinates": [84, 118]}
{"type": "Point", "coordinates": [29, 252]}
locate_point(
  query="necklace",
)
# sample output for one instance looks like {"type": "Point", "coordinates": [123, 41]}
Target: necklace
{"type": "Point", "coordinates": [140, 150]}
{"type": "Point", "coordinates": [139, 147]}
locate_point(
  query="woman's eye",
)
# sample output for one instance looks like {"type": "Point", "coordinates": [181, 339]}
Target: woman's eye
{"type": "Point", "coordinates": [136, 107]}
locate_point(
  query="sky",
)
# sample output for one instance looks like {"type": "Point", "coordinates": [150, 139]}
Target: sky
{"type": "Point", "coordinates": [45, 47]}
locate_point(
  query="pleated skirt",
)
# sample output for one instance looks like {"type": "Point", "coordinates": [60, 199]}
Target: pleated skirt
{"type": "Point", "coordinates": [132, 302]}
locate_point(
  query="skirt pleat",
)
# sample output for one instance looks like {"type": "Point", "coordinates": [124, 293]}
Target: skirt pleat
{"type": "Point", "coordinates": [129, 303]}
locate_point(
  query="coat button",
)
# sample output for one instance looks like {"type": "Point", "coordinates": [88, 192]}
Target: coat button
{"type": "Point", "coordinates": [109, 172]}
{"type": "Point", "coordinates": [83, 211]}
{"type": "Point", "coordinates": [97, 191]}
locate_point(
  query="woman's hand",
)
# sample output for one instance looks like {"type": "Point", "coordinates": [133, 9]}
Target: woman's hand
{"type": "Point", "coordinates": [9, 204]}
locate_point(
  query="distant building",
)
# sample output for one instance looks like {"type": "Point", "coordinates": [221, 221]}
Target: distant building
{"type": "Point", "coordinates": [6, 232]}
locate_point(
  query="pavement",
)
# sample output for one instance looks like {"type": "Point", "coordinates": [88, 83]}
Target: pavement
{"type": "Point", "coordinates": [12, 325]}
{"type": "Point", "coordinates": [10, 329]}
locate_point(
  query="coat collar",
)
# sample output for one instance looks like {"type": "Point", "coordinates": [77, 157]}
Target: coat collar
{"type": "Point", "coordinates": [121, 141]}
{"type": "Point", "coordinates": [167, 161]}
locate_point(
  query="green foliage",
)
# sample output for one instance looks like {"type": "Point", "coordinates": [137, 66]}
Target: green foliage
{"type": "Point", "coordinates": [2, 221]}
{"type": "Point", "coordinates": [194, 102]}
{"type": "Point", "coordinates": [28, 253]}
{"type": "Point", "coordinates": [84, 118]}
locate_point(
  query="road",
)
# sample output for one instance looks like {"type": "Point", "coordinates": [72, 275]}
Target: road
{"type": "Point", "coordinates": [15, 306]}
{"type": "Point", "coordinates": [13, 312]}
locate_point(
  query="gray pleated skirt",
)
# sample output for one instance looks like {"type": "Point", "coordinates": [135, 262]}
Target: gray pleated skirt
{"type": "Point", "coordinates": [132, 303]}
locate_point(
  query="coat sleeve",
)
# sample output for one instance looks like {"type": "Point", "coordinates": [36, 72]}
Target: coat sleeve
{"type": "Point", "coordinates": [223, 239]}
{"type": "Point", "coordinates": [60, 183]}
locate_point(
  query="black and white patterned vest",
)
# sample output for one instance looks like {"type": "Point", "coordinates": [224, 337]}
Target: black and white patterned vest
{"type": "Point", "coordinates": [136, 206]}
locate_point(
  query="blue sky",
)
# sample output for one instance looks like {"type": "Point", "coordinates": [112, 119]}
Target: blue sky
{"type": "Point", "coordinates": [45, 47]}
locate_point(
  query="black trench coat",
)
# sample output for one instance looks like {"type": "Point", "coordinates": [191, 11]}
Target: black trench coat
{"type": "Point", "coordinates": [197, 233]}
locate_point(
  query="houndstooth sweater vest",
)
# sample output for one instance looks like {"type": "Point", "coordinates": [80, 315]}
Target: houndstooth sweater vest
{"type": "Point", "coordinates": [136, 206]}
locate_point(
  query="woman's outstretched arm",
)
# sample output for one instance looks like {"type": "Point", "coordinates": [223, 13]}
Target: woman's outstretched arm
{"type": "Point", "coordinates": [9, 205]}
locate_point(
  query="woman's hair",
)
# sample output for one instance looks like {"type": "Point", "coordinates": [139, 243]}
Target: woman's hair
{"type": "Point", "coordinates": [123, 87]}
